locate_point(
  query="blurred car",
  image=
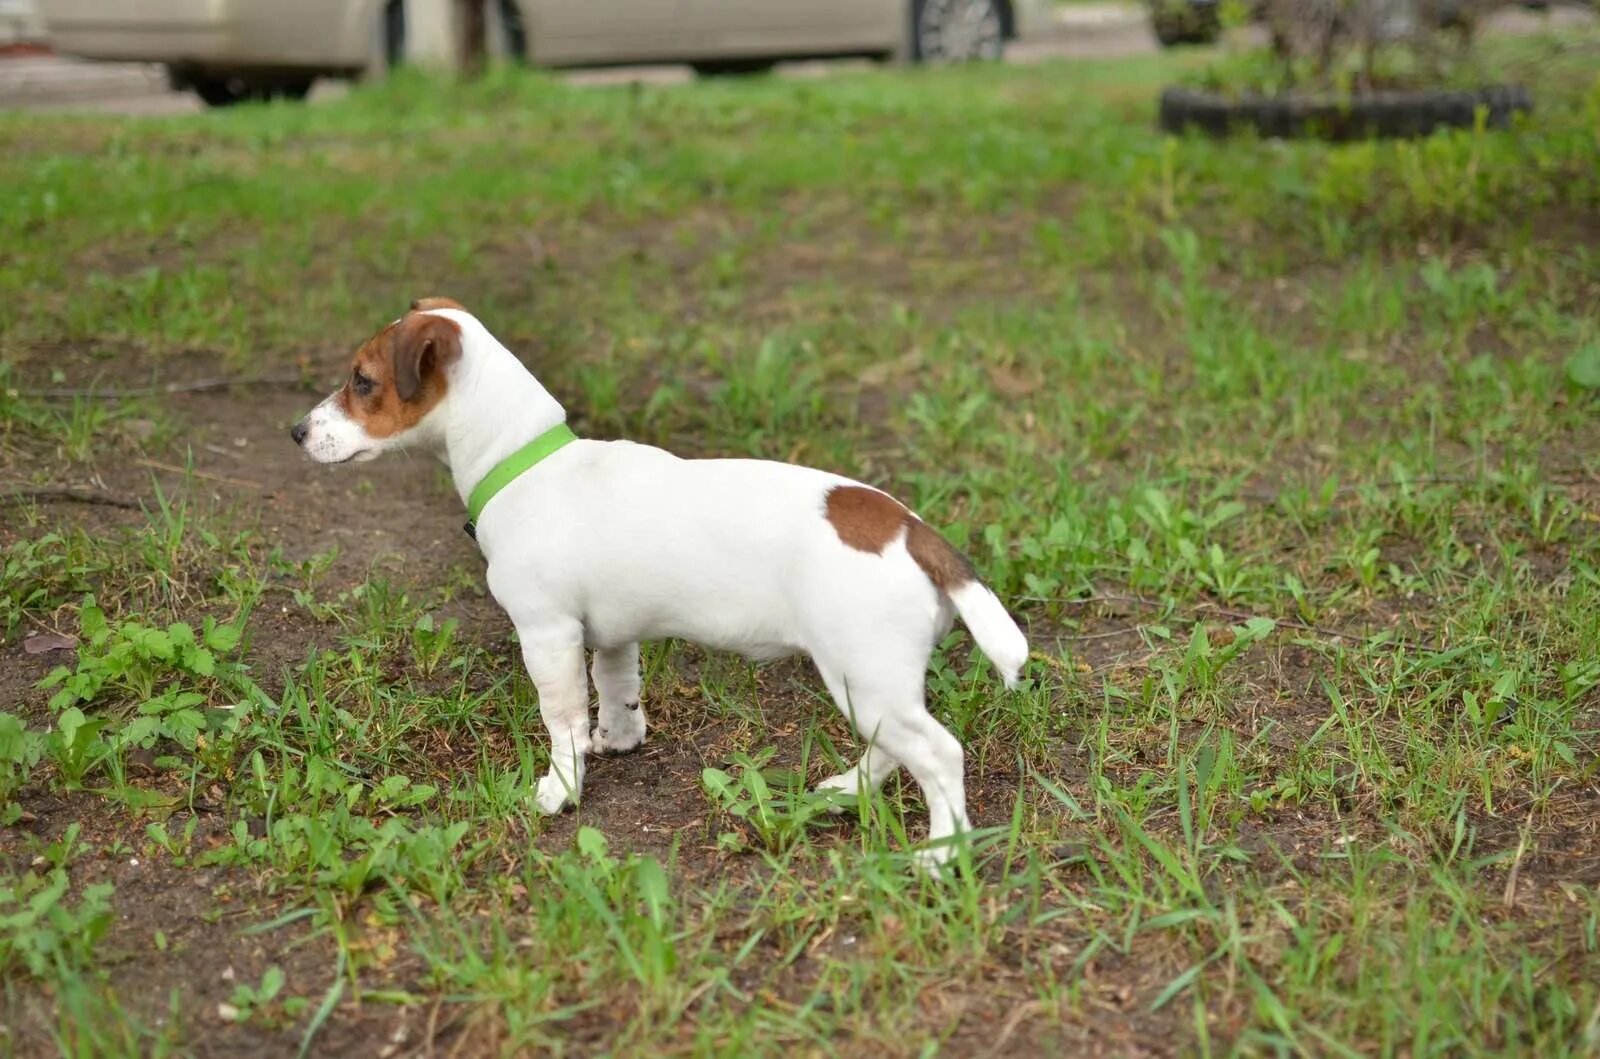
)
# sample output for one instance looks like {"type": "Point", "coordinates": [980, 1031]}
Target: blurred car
{"type": "Point", "coordinates": [231, 50]}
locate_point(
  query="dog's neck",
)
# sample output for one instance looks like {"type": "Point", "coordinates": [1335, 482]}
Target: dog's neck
{"type": "Point", "coordinates": [495, 407]}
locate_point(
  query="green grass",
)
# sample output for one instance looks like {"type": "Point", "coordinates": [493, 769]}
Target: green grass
{"type": "Point", "coordinates": [1284, 452]}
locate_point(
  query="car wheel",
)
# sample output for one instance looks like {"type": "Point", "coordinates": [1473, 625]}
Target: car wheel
{"type": "Point", "coordinates": [733, 67]}
{"type": "Point", "coordinates": [293, 90]}
{"type": "Point", "coordinates": [228, 91]}
{"type": "Point", "coordinates": [220, 91]}
{"type": "Point", "coordinates": [946, 31]}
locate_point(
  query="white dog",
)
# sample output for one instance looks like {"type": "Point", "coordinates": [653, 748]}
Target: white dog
{"type": "Point", "coordinates": [602, 544]}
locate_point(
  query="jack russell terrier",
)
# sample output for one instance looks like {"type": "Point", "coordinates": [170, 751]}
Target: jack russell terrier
{"type": "Point", "coordinates": [602, 544]}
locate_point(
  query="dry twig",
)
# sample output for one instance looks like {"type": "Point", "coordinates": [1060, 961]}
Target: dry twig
{"type": "Point", "coordinates": [197, 386]}
{"type": "Point", "coordinates": [54, 494]}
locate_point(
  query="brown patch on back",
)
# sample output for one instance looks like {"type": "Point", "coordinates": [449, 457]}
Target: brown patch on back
{"type": "Point", "coordinates": [422, 305]}
{"type": "Point", "coordinates": [869, 521]}
{"type": "Point", "coordinates": [865, 519]}
{"type": "Point", "coordinates": [406, 363]}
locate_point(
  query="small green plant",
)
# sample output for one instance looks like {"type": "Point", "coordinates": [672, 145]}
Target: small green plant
{"type": "Point", "coordinates": [45, 933]}
{"type": "Point", "coordinates": [159, 677]}
{"type": "Point", "coordinates": [254, 1001]}
{"type": "Point", "coordinates": [134, 657]}
{"type": "Point", "coordinates": [773, 802]}
{"type": "Point", "coordinates": [1583, 366]}
{"type": "Point", "coordinates": [431, 642]}
{"type": "Point", "coordinates": [772, 395]}
{"type": "Point", "coordinates": [75, 746]}
{"type": "Point", "coordinates": [1199, 670]}
{"type": "Point", "coordinates": [631, 898]}
{"type": "Point", "coordinates": [37, 574]}
{"type": "Point", "coordinates": [20, 751]}
{"type": "Point", "coordinates": [345, 852]}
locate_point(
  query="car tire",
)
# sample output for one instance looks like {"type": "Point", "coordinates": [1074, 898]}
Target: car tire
{"type": "Point", "coordinates": [733, 67]}
{"type": "Point", "coordinates": [950, 31]}
{"type": "Point", "coordinates": [219, 91]}
{"type": "Point", "coordinates": [294, 90]}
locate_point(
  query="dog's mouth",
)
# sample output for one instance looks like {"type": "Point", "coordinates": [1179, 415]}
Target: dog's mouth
{"type": "Point", "coordinates": [354, 455]}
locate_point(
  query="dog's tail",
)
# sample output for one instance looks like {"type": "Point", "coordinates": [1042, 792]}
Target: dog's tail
{"type": "Point", "coordinates": [987, 620]}
{"type": "Point", "coordinates": [992, 627]}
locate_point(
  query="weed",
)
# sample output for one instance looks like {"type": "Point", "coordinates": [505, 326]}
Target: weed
{"type": "Point", "coordinates": [20, 751]}
{"type": "Point", "coordinates": [42, 931]}
{"type": "Point", "coordinates": [773, 802]}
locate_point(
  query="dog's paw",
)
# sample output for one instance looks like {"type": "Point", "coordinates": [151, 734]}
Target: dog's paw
{"type": "Point", "coordinates": [618, 735]}
{"type": "Point", "coordinates": [935, 862]}
{"type": "Point", "coordinates": [554, 794]}
{"type": "Point", "coordinates": [841, 790]}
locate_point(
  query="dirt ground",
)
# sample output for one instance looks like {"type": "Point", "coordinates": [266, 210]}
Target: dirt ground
{"type": "Point", "coordinates": [397, 517]}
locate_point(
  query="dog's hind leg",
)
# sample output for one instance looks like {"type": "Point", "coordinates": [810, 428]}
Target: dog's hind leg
{"type": "Point", "coordinates": [616, 681]}
{"type": "Point", "coordinates": [866, 775]}
{"type": "Point", "coordinates": [554, 657]}
{"type": "Point", "coordinates": [875, 765]}
{"type": "Point", "coordinates": [887, 708]}
{"type": "Point", "coordinates": [936, 761]}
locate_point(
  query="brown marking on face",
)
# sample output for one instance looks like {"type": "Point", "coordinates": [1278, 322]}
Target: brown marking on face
{"type": "Point", "coordinates": [398, 375]}
{"type": "Point", "coordinates": [422, 305]}
{"type": "Point", "coordinates": [869, 521]}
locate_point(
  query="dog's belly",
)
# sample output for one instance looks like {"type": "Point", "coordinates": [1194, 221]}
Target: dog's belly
{"type": "Point", "coordinates": [720, 628]}
{"type": "Point", "coordinates": [766, 652]}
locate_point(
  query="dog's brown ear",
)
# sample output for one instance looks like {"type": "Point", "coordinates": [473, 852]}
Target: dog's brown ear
{"type": "Point", "coordinates": [423, 345]}
{"type": "Point", "coordinates": [422, 305]}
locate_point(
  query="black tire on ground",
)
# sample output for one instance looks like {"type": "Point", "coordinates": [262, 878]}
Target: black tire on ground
{"type": "Point", "coordinates": [1189, 24]}
{"type": "Point", "coordinates": [733, 67]}
{"type": "Point", "coordinates": [294, 90]}
{"type": "Point", "coordinates": [957, 30]}
{"type": "Point", "coordinates": [1381, 115]}
{"type": "Point", "coordinates": [219, 91]}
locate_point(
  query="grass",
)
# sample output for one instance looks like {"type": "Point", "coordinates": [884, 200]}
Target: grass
{"type": "Point", "coordinates": [1284, 453]}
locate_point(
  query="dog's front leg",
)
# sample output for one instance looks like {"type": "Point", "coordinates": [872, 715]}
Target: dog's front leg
{"type": "Point", "coordinates": [616, 681]}
{"type": "Point", "coordinates": [554, 657]}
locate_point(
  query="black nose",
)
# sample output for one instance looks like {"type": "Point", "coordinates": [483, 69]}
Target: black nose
{"type": "Point", "coordinates": [299, 431]}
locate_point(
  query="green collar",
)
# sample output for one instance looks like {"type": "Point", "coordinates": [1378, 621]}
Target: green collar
{"type": "Point", "coordinates": [506, 471]}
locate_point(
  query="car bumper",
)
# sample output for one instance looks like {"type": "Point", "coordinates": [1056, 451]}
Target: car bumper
{"type": "Point", "coordinates": [207, 33]}
{"type": "Point", "coordinates": [160, 30]}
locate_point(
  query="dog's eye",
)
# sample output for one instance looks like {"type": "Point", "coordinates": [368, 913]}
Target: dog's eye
{"type": "Point", "coordinates": [360, 384]}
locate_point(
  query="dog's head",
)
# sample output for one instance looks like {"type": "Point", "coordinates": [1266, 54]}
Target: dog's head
{"type": "Point", "coordinates": [395, 380]}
